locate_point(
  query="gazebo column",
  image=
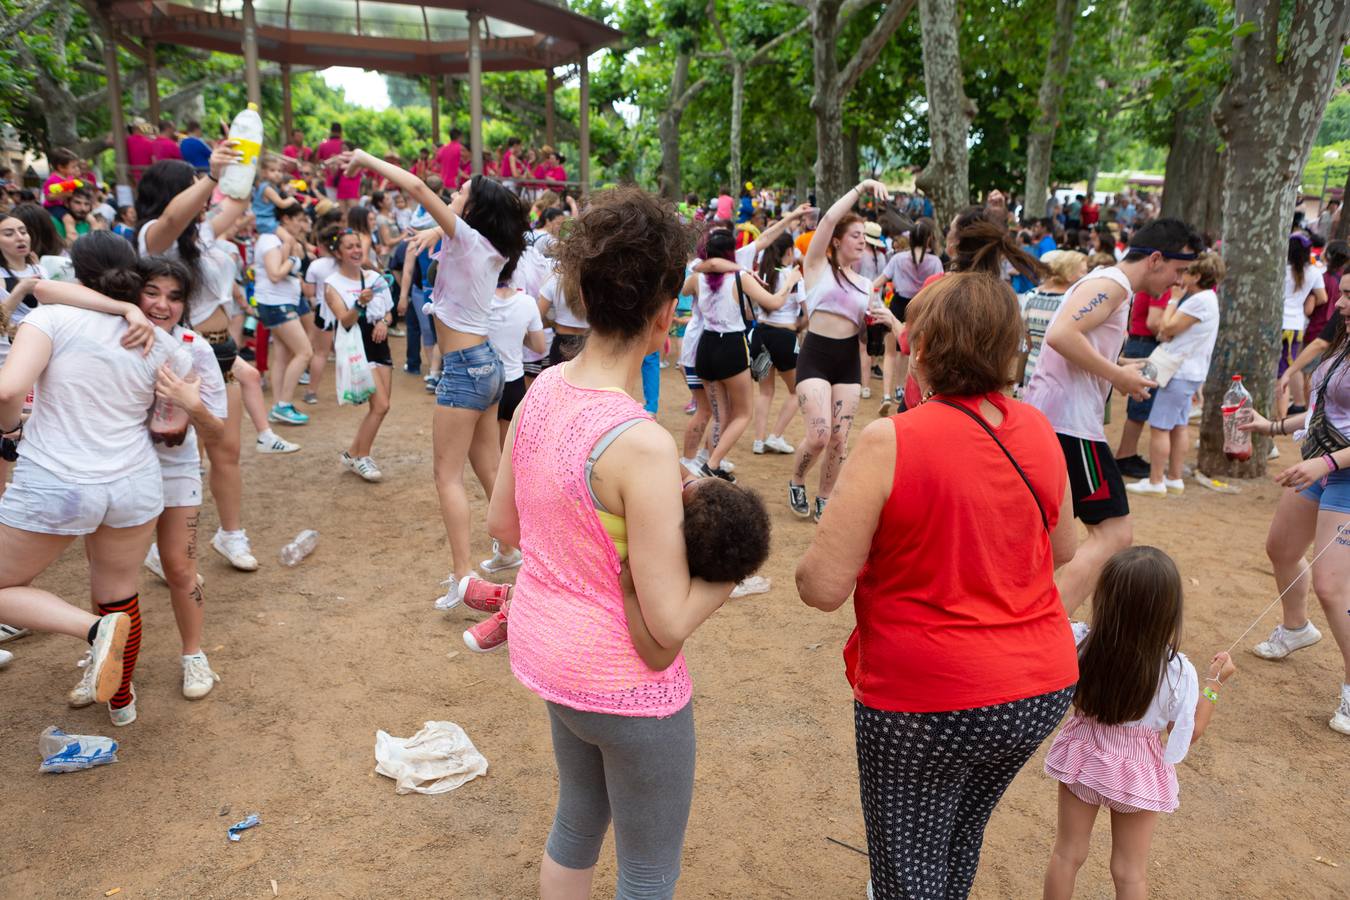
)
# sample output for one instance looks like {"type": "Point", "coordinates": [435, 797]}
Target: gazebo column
{"type": "Point", "coordinates": [584, 123]}
{"type": "Point", "coordinates": [476, 92]}
{"type": "Point", "coordinates": [152, 82]}
{"type": "Point", "coordinates": [287, 115]}
{"type": "Point", "coordinates": [251, 55]}
{"type": "Point", "coordinates": [434, 95]}
{"type": "Point", "coordinates": [550, 85]}
{"type": "Point", "coordinates": [119, 125]}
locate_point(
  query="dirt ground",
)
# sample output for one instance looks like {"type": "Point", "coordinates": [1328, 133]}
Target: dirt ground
{"type": "Point", "coordinates": [315, 659]}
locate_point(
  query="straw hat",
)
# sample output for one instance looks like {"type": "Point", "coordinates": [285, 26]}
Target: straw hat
{"type": "Point", "coordinates": [872, 234]}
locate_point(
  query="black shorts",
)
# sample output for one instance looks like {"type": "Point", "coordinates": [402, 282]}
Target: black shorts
{"type": "Point", "coordinates": [876, 338]}
{"type": "Point", "coordinates": [377, 354]}
{"type": "Point", "coordinates": [1094, 480]}
{"type": "Point", "coordinates": [780, 342]}
{"type": "Point", "coordinates": [565, 347]}
{"type": "Point", "coordinates": [721, 355]}
{"type": "Point", "coordinates": [512, 393]}
{"type": "Point", "coordinates": [834, 359]}
{"type": "Point", "coordinates": [226, 351]}
{"type": "Point", "coordinates": [534, 367]}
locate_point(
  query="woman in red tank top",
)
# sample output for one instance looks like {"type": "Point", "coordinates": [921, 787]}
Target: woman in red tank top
{"type": "Point", "coordinates": [947, 525]}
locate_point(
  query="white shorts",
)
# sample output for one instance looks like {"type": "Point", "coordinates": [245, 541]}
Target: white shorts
{"type": "Point", "coordinates": [42, 502]}
{"type": "Point", "coordinates": [182, 485]}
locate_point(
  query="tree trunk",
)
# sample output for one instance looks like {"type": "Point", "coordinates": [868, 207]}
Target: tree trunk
{"type": "Point", "coordinates": [946, 178]}
{"type": "Point", "coordinates": [1268, 114]}
{"type": "Point", "coordinates": [1194, 176]}
{"type": "Point", "coordinates": [803, 183]}
{"type": "Point", "coordinates": [852, 166]}
{"type": "Point", "coordinates": [668, 130]}
{"type": "Point", "coordinates": [737, 106]}
{"type": "Point", "coordinates": [1041, 140]}
{"type": "Point", "coordinates": [827, 103]}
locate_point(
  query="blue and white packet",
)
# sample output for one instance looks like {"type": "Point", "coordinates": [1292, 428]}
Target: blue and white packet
{"type": "Point", "coordinates": [63, 752]}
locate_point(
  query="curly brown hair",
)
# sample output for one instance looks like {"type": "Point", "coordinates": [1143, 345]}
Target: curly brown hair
{"type": "Point", "coordinates": [966, 331]}
{"type": "Point", "coordinates": [726, 531]}
{"type": "Point", "coordinates": [623, 260]}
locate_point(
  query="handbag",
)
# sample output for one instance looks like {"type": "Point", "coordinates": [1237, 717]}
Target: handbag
{"type": "Point", "coordinates": [1165, 364]}
{"type": "Point", "coordinates": [762, 361]}
{"type": "Point", "coordinates": [1320, 436]}
{"type": "Point", "coordinates": [1045, 521]}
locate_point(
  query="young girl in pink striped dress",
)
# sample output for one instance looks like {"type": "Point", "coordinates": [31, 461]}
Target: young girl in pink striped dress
{"type": "Point", "coordinates": [1133, 685]}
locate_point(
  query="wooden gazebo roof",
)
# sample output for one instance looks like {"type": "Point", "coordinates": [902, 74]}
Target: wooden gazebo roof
{"type": "Point", "coordinates": [412, 37]}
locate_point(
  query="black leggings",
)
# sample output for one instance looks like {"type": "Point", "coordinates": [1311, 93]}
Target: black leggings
{"type": "Point", "coordinates": [930, 781]}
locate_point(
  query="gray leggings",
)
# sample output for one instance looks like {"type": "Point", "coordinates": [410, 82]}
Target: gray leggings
{"type": "Point", "coordinates": [640, 771]}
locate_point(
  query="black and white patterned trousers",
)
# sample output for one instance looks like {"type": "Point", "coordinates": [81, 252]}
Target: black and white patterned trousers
{"type": "Point", "coordinates": [930, 781]}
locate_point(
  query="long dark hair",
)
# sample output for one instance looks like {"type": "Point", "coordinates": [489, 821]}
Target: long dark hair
{"type": "Point", "coordinates": [163, 181]}
{"type": "Point", "coordinates": [771, 260]}
{"type": "Point", "coordinates": [1336, 255]}
{"type": "Point", "coordinates": [1298, 255]}
{"type": "Point", "coordinates": [982, 246]}
{"type": "Point", "coordinates": [721, 244]}
{"type": "Point", "coordinates": [358, 219]}
{"type": "Point", "coordinates": [42, 237]}
{"type": "Point", "coordinates": [921, 239]}
{"type": "Point", "coordinates": [106, 262]}
{"type": "Point", "coordinates": [1136, 628]}
{"type": "Point", "coordinates": [497, 214]}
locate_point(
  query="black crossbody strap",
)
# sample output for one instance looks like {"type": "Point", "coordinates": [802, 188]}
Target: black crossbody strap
{"type": "Point", "coordinates": [1045, 522]}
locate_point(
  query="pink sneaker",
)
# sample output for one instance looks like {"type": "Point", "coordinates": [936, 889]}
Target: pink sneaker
{"type": "Point", "coordinates": [489, 634]}
{"type": "Point", "coordinates": [691, 408]}
{"type": "Point", "coordinates": [484, 596]}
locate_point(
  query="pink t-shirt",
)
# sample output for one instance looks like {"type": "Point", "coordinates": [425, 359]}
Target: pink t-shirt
{"type": "Point", "coordinates": [140, 153]}
{"type": "Point", "coordinates": [1073, 399]}
{"type": "Point", "coordinates": [297, 151]}
{"type": "Point", "coordinates": [724, 206]}
{"type": "Point", "coordinates": [550, 173]}
{"type": "Point", "coordinates": [165, 148]}
{"type": "Point", "coordinates": [329, 148]}
{"type": "Point", "coordinates": [510, 167]}
{"type": "Point", "coordinates": [47, 198]}
{"type": "Point", "coordinates": [569, 634]}
{"type": "Point", "coordinates": [449, 159]}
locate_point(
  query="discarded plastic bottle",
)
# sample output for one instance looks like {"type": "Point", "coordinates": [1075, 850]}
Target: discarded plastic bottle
{"type": "Point", "coordinates": [169, 421]}
{"type": "Point", "coordinates": [1237, 408]}
{"type": "Point", "coordinates": [298, 549]}
{"type": "Point", "coordinates": [246, 131]}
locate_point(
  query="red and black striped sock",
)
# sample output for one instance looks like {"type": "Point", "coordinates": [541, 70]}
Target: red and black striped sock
{"type": "Point", "coordinates": [132, 607]}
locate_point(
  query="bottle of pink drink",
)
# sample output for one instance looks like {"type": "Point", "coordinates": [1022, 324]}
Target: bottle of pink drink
{"type": "Point", "coordinates": [169, 421]}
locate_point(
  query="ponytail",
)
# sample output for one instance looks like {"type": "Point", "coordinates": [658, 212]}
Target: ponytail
{"type": "Point", "coordinates": [982, 246]}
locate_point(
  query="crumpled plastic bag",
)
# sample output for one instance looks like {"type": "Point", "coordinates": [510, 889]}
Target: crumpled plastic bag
{"type": "Point", "coordinates": [63, 752]}
{"type": "Point", "coordinates": [437, 759]}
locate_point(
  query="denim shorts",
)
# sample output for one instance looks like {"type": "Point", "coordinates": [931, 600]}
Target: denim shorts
{"type": "Point", "coordinates": [42, 502]}
{"type": "Point", "coordinates": [1172, 404]}
{"type": "Point", "coordinates": [1333, 495]}
{"type": "Point", "coordinates": [272, 316]}
{"type": "Point", "coordinates": [426, 322]}
{"type": "Point", "coordinates": [1138, 347]}
{"type": "Point", "coordinates": [471, 379]}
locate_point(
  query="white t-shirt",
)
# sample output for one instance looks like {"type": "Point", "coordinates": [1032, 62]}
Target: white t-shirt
{"type": "Point", "coordinates": [559, 311]}
{"type": "Point", "coordinates": [747, 256]}
{"type": "Point", "coordinates": [318, 273]}
{"type": "Point", "coordinates": [27, 304]}
{"type": "Point", "coordinates": [1295, 296]}
{"type": "Point", "coordinates": [216, 271]}
{"type": "Point", "coordinates": [214, 398]}
{"type": "Point", "coordinates": [1178, 692]}
{"type": "Point", "coordinates": [513, 317]}
{"type": "Point", "coordinates": [466, 277]}
{"type": "Point", "coordinates": [349, 289]}
{"type": "Point", "coordinates": [90, 424]}
{"type": "Point", "coordinates": [1196, 344]}
{"type": "Point", "coordinates": [1074, 399]}
{"type": "Point", "coordinates": [266, 291]}
{"type": "Point", "coordinates": [786, 315]}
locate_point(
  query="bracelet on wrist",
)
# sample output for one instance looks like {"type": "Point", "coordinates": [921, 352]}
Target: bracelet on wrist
{"type": "Point", "coordinates": [17, 429]}
{"type": "Point", "coordinates": [212, 177]}
{"type": "Point", "coordinates": [1331, 462]}
{"type": "Point", "coordinates": [1210, 694]}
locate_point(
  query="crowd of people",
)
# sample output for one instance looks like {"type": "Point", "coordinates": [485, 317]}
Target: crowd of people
{"type": "Point", "coordinates": [128, 355]}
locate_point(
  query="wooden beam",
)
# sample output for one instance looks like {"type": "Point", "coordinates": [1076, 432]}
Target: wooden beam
{"type": "Point", "coordinates": [119, 124]}
{"type": "Point", "coordinates": [287, 118]}
{"type": "Point", "coordinates": [550, 85]}
{"type": "Point", "coordinates": [434, 95]}
{"type": "Point", "coordinates": [152, 82]}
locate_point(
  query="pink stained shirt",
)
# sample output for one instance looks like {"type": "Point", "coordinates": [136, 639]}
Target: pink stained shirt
{"type": "Point", "coordinates": [449, 160]}
{"type": "Point", "coordinates": [569, 635]}
{"type": "Point", "coordinates": [47, 198]}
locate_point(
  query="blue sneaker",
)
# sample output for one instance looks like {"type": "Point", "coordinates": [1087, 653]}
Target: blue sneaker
{"type": "Point", "coordinates": [287, 414]}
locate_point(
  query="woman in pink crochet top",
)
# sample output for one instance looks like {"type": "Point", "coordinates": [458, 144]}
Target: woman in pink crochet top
{"type": "Point", "coordinates": [588, 479]}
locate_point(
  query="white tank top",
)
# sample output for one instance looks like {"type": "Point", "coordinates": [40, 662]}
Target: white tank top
{"type": "Point", "coordinates": [721, 307]}
{"type": "Point", "coordinates": [1073, 399]}
{"type": "Point", "coordinates": [839, 296]}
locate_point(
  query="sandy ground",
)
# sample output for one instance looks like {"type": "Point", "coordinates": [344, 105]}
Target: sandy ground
{"type": "Point", "coordinates": [315, 659]}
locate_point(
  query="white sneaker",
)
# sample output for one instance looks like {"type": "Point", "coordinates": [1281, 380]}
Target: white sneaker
{"type": "Point", "coordinates": [153, 563]}
{"type": "Point", "coordinates": [867, 393]}
{"type": "Point", "coordinates": [274, 444]}
{"type": "Point", "coordinates": [12, 632]}
{"type": "Point", "coordinates": [757, 448]}
{"type": "Point", "coordinates": [82, 694]}
{"type": "Point", "coordinates": [1144, 486]}
{"type": "Point", "coordinates": [500, 562]}
{"type": "Point", "coordinates": [5, 658]}
{"type": "Point", "coordinates": [304, 378]}
{"type": "Point", "coordinates": [726, 466]}
{"type": "Point", "coordinates": [1341, 721]}
{"type": "Point", "coordinates": [450, 599]}
{"type": "Point", "coordinates": [776, 443]}
{"type": "Point", "coordinates": [1283, 641]}
{"type": "Point", "coordinates": [701, 456]}
{"type": "Point", "coordinates": [234, 546]}
{"type": "Point", "coordinates": [198, 679]}
{"type": "Point", "coordinates": [1174, 485]}
{"type": "Point", "coordinates": [127, 714]}
{"type": "Point", "coordinates": [361, 465]}
{"type": "Point", "coordinates": [755, 584]}
{"type": "Point", "coordinates": [692, 466]}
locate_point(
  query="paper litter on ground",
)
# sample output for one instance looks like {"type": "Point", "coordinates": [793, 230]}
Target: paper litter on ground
{"type": "Point", "coordinates": [437, 759]}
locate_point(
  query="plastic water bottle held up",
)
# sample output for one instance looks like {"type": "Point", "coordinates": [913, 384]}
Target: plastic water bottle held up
{"type": "Point", "coordinates": [246, 131]}
{"type": "Point", "coordinates": [1237, 408]}
{"type": "Point", "coordinates": [298, 549]}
